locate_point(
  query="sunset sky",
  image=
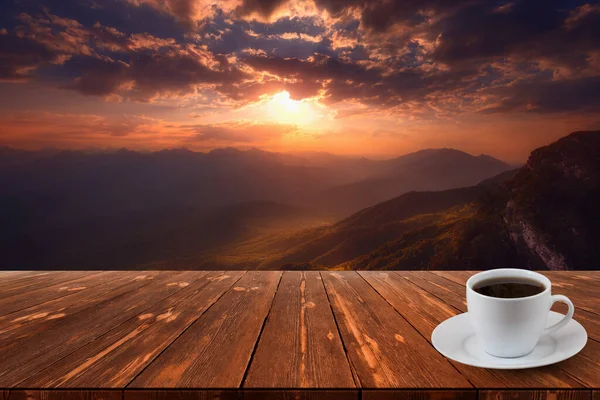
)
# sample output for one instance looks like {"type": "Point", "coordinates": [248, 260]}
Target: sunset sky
{"type": "Point", "coordinates": [363, 77]}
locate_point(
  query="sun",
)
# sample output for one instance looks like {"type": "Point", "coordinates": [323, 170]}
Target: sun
{"type": "Point", "coordinates": [285, 103]}
{"type": "Point", "coordinates": [282, 108]}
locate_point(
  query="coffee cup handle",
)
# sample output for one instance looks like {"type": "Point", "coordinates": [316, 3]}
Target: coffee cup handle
{"type": "Point", "coordinates": [566, 318]}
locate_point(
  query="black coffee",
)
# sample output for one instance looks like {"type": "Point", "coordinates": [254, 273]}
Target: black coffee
{"type": "Point", "coordinates": [509, 288]}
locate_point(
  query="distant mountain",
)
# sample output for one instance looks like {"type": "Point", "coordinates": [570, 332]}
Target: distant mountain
{"type": "Point", "coordinates": [225, 208]}
{"type": "Point", "coordinates": [543, 215]}
{"type": "Point", "coordinates": [14, 157]}
{"type": "Point", "coordinates": [426, 170]}
{"type": "Point", "coordinates": [75, 186]}
{"type": "Point", "coordinates": [338, 245]}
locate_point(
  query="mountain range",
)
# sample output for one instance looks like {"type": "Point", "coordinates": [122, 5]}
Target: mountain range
{"type": "Point", "coordinates": [541, 216]}
{"type": "Point", "coordinates": [173, 209]}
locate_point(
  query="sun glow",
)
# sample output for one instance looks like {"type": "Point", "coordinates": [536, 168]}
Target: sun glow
{"type": "Point", "coordinates": [281, 107]}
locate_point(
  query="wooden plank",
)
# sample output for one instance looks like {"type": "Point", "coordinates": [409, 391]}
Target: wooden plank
{"type": "Point", "coordinates": [301, 327]}
{"type": "Point", "coordinates": [585, 366]}
{"type": "Point", "coordinates": [39, 318]}
{"type": "Point", "coordinates": [301, 394]}
{"type": "Point", "coordinates": [114, 359]}
{"type": "Point", "coordinates": [383, 348]}
{"type": "Point", "coordinates": [178, 394]}
{"type": "Point", "coordinates": [30, 353]}
{"type": "Point", "coordinates": [589, 320]}
{"type": "Point", "coordinates": [3, 394]}
{"type": "Point", "coordinates": [422, 310]}
{"type": "Point", "coordinates": [34, 297]}
{"type": "Point", "coordinates": [425, 312]}
{"type": "Point", "coordinates": [419, 394]}
{"type": "Point", "coordinates": [450, 292]}
{"type": "Point", "coordinates": [581, 286]}
{"type": "Point", "coordinates": [583, 293]}
{"type": "Point", "coordinates": [38, 280]}
{"type": "Point", "coordinates": [459, 277]}
{"type": "Point", "coordinates": [11, 275]}
{"type": "Point", "coordinates": [534, 395]}
{"type": "Point", "coordinates": [587, 280]}
{"type": "Point", "coordinates": [215, 351]}
{"type": "Point", "coordinates": [65, 395]}
{"type": "Point", "coordinates": [596, 395]}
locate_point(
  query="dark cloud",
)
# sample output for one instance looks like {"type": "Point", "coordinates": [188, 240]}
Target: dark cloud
{"type": "Point", "coordinates": [527, 30]}
{"type": "Point", "coordinates": [548, 97]}
{"type": "Point", "coordinates": [123, 15]}
{"type": "Point", "coordinates": [228, 37]}
{"type": "Point", "coordinates": [365, 83]}
{"type": "Point", "coordinates": [380, 15]}
{"type": "Point", "coordinates": [20, 57]}
{"type": "Point", "coordinates": [174, 73]}
{"type": "Point", "coordinates": [98, 77]}
{"type": "Point", "coordinates": [441, 55]}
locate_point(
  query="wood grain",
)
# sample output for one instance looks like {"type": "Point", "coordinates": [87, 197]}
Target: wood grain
{"type": "Point", "coordinates": [585, 366]}
{"type": "Point", "coordinates": [419, 308]}
{"type": "Point", "coordinates": [584, 294]}
{"type": "Point", "coordinates": [582, 280]}
{"type": "Point", "coordinates": [385, 350]}
{"type": "Point", "coordinates": [562, 283]}
{"type": "Point", "coordinates": [215, 351]}
{"type": "Point", "coordinates": [10, 287]}
{"type": "Point", "coordinates": [208, 332]}
{"type": "Point", "coordinates": [580, 286]}
{"type": "Point", "coordinates": [425, 312]}
{"type": "Point", "coordinates": [534, 394]}
{"type": "Point", "coordinates": [301, 395]}
{"type": "Point", "coordinates": [8, 276]}
{"type": "Point", "coordinates": [300, 346]}
{"type": "Point", "coordinates": [65, 335]}
{"type": "Point", "coordinates": [182, 395]}
{"type": "Point", "coordinates": [450, 292]}
{"type": "Point", "coordinates": [65, 395]}
{"type": "Point", "coordinates": [40, 317]}
{"type": "Point", "coordinates": [459, 277]}
{"type": "Point", "coordinates": [32, 298]}
{"type": "Point", "coordinates": [419, 395]}
{"type": "Point", "coordinates": [114, 359]}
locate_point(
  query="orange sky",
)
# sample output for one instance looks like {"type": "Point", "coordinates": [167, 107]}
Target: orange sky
{"type": "Point", "coordinates": [363, 78]}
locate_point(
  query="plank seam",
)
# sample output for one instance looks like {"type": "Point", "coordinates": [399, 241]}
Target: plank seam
{"type": "Point", "coordinates": [47, 285]}
{"type": "Point", "coordinates": [182, 332]}
{"type": "Point", "coordinates": [428, 292]}
{"type": "Point", "coordinates": [442, 300]}
{"type": "Point", "coordinates": [105, 333]}
{"type": "Point", "coordinates": [355, 376]}
{"type": "Point", "coordinates": [412, 326]}
{"type": "Point", "coordinates": [449, 280]}
{"type": "Point", "coordinates": [262, 327]}
{"type": "Point", "coordinates": [541, 272]}
{"type": "Point", "coordinates": [56, 298]}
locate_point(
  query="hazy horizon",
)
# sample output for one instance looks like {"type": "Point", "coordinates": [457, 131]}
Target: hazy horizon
{"type": "Point", "coordinates": [373, 157]}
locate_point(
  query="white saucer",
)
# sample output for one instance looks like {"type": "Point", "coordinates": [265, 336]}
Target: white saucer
{"type": "Point", "coordinates": [455, 339]}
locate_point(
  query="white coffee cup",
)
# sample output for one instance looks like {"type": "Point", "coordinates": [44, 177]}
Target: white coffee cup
{"type": "Point", "coordinates": [512, 327]}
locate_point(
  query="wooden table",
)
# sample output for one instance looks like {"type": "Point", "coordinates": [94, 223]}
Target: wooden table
{"type": "Point", "coordinates": [268, 334]}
